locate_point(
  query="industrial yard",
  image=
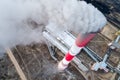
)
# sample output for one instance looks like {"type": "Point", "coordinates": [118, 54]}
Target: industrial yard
{"type": "Point", "coordinates": [37, 64]}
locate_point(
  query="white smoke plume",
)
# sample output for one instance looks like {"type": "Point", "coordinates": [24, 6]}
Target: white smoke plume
{"type": "Point", "coordinates": [22, 21]}
{"type": "Point", "coordinates": [83, 17]}
{"type": "Point", "coordinates": [19, 22]}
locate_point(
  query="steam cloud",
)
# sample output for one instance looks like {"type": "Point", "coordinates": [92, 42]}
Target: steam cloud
{"type": "Point", "coordinates": [22, 21]}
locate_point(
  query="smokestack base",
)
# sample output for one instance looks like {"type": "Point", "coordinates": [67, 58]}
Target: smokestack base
{"type": "Point", "coordinates": [62, 66]}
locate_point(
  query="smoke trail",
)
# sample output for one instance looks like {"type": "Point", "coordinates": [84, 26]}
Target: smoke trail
{"type": "Point", "coordinates": [22, 21]}
{"type": "Point", "coordinates": [83, 17]}
{"type": "Point", "coordinates": [73, 15]}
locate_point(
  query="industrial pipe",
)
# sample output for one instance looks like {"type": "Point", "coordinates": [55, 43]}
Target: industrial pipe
{"type": "Point", "coordinates": [80, 42]}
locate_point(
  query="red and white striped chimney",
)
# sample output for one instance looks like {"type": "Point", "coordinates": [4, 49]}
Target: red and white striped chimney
{"type": "Point", "coordinates": [80, 42]}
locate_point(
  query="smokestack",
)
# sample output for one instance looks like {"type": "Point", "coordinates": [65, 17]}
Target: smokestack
{"type": "Point", "coordinates": [84, 19]}
{"type": "Point", "coordinates": [80, 42]}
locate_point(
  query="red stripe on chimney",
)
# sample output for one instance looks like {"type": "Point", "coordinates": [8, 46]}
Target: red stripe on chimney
{"type": "Point", "coordinates": [85, 41]}
{"type": "Point", "coordinates": [69, 57]}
